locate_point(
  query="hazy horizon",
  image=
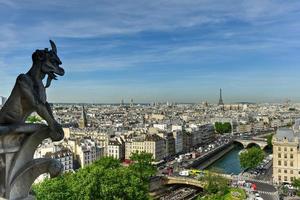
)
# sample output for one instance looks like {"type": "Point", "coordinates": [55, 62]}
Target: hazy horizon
{"type": "Point", "coordinates": [157, 51]}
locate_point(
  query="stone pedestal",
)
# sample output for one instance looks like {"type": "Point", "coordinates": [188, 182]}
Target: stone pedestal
{"type": "Point", "coordinates": [18, 169]}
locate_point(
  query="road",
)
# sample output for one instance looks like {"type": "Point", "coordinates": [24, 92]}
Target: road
{"type": "Point", "coordinates": [266, 191]}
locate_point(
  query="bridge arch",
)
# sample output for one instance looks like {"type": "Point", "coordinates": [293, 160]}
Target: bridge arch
{"type": "Point", "coordinates": [239, 143]}
{"type": "Point", "coordinates": [252, 144]}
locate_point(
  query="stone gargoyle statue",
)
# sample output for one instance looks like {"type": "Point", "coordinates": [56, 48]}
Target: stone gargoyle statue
{"type": "Point", "coordinates": [18, 140]}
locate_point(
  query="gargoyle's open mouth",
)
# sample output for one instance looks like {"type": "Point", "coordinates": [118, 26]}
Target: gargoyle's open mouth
{"type": "Point", "coordinates": [51, 76]}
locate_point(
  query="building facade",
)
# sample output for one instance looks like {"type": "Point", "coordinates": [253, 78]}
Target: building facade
{"type": "Point", "coordinates": [286, 156]}
{"type": "Point", "coordinates": [116, 148]}
{"type": "Point", "coordinates": [150, 143]}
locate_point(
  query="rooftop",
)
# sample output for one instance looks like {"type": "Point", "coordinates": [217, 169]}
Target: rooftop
{"type": "Point", "coordinates": [286, 133]}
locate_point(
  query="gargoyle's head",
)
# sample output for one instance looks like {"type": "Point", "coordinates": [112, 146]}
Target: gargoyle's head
{"type": "Point", "coordinates": [49, 63]}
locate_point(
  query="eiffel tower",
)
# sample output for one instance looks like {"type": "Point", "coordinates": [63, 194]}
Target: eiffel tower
{"type": "Point", "coordinates": [221, 103]}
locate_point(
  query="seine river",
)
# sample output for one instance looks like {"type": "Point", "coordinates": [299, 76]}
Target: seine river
{"type": "Point", "coordinates": [229, 163]}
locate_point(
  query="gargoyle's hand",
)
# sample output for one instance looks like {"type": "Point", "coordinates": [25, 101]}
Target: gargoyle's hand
{"type": "Point", "coordinates": [57, 132]}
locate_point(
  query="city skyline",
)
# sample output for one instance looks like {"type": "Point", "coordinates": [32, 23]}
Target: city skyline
{"type": "Point", "coordinates": [157, 51]}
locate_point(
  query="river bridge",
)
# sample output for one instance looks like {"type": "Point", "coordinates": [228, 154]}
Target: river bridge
{"type": "Point", "coordinates": [261, 142]}
{"type": "Point", "coordinates": [170, 180]}
{"type": "Point", "coordinates": [174, 180]}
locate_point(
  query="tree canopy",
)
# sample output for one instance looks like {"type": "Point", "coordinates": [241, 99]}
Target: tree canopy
{"type": "Point", "coordinates": [222, 127]}
{"type": "Point", "coordinates": [33, 119]}
{"type": "Point", "coordinates": [269, 140]}
{"type": "Point", "coordinates": [215, 184]}
{"type": "Point", "coordinates": [296, 184]}
{"type": "Point", "coordinates": [217, 188]}
{"type": "Point", "coordinates": [251, 157]}
{"type": "Point", "coordinates": [106, 179]}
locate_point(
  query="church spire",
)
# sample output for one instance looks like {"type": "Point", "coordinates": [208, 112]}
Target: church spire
{"type": "Point", "coordinates": [82, 120]}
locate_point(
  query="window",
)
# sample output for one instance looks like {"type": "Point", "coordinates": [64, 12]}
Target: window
{"type": "Point", "coordinates": [279, 155]}
{"type": "Point", "coordinates": [279, 163]}
{"type": "Point", "coordinates": [285, 171]}
{"type": "Point", "coordinates": [285, 148]}
{"type": "Point", "coordinates": [285, 155]}
{"type": "Point", "coordinates": [291, 172]}
{"type": "Point", "coordinates": [292, 178]}
{"type": "Point", "coordinates": [279, 148]}
{"type": "Point", "coordinates": [291, 156]}
{"type": "Point", "coordinates": [291, 163]}
{"type": "Point", "coordinates": [279, 178]}
{"type": "Point", "coordinates": [292, 149]}
{"type": "Point", "coordinates": [279, 170]}
{"type": "Point", "coordinates": [285, 163]}
{"type": "Point", "coordinates": [285, 178]}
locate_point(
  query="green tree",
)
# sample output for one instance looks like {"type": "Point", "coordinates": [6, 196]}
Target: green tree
{"type": "Point", "coordinates": [222, 127]}
{"type": "Point", "coordinates": [33, 119]}
{"type": "Point", "coordinates": [142, 165]}
{"type": "Point", "coordinates": [251, 157]}
{"type": "Point", "coordinates": [269, 140]}
{"type": "Point", "coordinates": [54, 189]}
{"type": "Point", "coordinates": [215, 184]}
{"type": "Point", "coordinates": [106, 179]}
{"type": "Point", "coordinates": [296, 184]}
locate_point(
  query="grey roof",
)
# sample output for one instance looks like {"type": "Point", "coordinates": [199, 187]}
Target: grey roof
{"type": "Point", "coordinates": [287, 133]}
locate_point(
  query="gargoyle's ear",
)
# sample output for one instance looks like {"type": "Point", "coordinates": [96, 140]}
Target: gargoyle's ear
{"type": "Point", "coordinates": [53, 46]}
{"type": "Point", "coordinates": [38, 55]}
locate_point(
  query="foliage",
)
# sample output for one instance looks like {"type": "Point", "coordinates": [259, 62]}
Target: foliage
{"type": "Point", "coordinates": [232, 194]}
{"type": "Point", "coordinates": [236, 194]}
{"type": "Point", "coordinates": [105, 179]}
{"type": "Point", "coordinates": [33, 119]}
{"type": "Point", "coordinates": [215, 184]}
{"type": "Point", "coordinates": [296, 184]}
{"type": "Point", "coordinates": [222, 127]}
{"type": "Point", "coordinates": [269, 140]}
{"type": "Point", "coordinates": [53, 188]}
{"type": "Point", "coordinates": [142, 166]}
{"type": "Point", "coordinates": [251, 158]}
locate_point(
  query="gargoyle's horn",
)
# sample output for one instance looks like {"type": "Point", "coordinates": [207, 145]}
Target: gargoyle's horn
{"type": "Point", "coordinates": [53, 46]}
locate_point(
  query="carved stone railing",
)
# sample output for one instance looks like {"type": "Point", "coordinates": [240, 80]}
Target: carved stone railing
{"type": "Point", "coordinates": [18, 169]}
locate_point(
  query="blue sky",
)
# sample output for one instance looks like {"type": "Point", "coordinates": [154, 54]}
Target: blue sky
{"type": "Point", "coordinates": [158, 50]}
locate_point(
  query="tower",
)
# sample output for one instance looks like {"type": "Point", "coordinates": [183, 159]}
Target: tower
{"type": "Point", "coordinates": [131, 102]}
{"type": "Point", "coordinates": [82, 120]}
{"type": "Point", "coordinates": [221, 103]}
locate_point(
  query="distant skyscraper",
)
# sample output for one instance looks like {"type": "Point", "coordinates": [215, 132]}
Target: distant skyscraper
{"type": "Point", "coordinates": [221, 103]}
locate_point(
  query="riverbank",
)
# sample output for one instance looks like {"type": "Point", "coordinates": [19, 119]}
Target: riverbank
{"type": "Point", "coordinates": [215, 158]}
{"type": "Point", "coordinates": [211, 157]}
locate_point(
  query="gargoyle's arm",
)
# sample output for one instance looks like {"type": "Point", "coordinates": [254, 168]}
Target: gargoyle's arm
{"type": "Point", "coordinates": [49, 109]}
{"type": "Point", "coordinates": [26, 88]}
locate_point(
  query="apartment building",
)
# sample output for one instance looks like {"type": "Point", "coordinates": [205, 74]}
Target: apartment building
{"type": "Point", "coordinates": [116, 148]}
{"type": "Point", "coordinates": [150, 143]}
{"type": "Point", "coordinates": [286, 155]}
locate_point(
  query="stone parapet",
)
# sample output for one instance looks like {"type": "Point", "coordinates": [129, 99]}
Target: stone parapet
{"type": "Point", "coordinates": [18, 169]}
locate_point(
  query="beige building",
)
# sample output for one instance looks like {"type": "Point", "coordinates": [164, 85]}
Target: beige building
{"type": "Point", "coordinates": [150, 143]}
{"type": "Point", "coordinates": [86, 151]}
{"type": "Point", "coordinates": [286, 156]}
